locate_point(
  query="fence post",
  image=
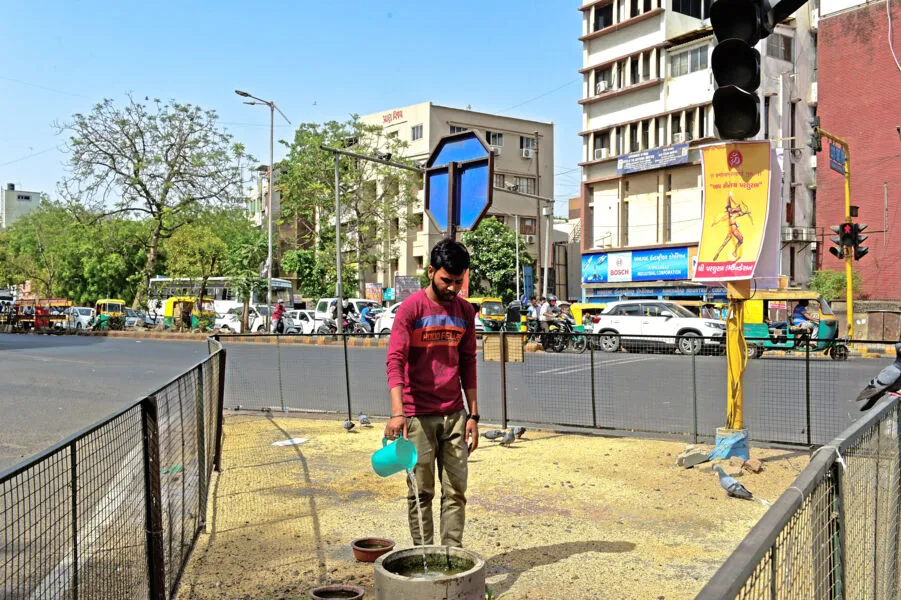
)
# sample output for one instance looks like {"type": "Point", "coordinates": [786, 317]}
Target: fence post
{"type": "Point", "coordinates": [694, 399]}
{"type": "Point", "coordinates": [503, 382]}
{"type": "Point", "coordinates": [807, 389]}
{"type": "Point", "coordinates": [201, 446]}
{"type": "Point", "coordinates": [73, 462]}
{"type": "Point", "coordinates": [156, 570]}
{"type": "Point", "coordinates": [838, 534]}
{"type": "Point", "coordinates": [347, 376]}
{"type": "Point", "coordinates": [278, 355]}
{"type": "Point", "coordinates": [220, 412]}
{"type": "Point", "coordinates": [594, 404]}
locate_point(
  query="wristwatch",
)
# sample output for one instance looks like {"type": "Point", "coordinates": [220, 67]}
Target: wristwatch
{"type": "Point", "coordinates": [475, 417]}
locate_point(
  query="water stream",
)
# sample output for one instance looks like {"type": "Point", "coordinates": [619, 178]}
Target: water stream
{"type": "Point", "coordinates": [419, 514]}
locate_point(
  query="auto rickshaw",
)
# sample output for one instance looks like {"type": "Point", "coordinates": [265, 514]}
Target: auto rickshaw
{"type": "Point", "coordinates": [584, 312]}
{"type": "Point", "coordinates": [109, 314]}
{"type": "Point", "coordinates": [490, 311]}
{"type": "Point", "coordinates": [180, 312]}
{"type": "Point", "coordinates": [768, 324]}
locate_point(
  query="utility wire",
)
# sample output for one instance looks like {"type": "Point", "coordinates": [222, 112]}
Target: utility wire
{"type": "Point", "coordinates": [547, 93]}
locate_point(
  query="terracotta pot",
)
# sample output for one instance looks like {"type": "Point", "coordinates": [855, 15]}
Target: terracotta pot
{"type": "Point", "coordinates": [330, 592]}
{"type": "Point", "coordinates": [369, 549]}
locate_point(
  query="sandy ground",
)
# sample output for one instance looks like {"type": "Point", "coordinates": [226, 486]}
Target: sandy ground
{"type": "Point", "coordinates": [555, 515]}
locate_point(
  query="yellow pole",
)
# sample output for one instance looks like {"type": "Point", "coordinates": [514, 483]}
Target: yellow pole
{"type": "Point", "coordinates": [736, 352]}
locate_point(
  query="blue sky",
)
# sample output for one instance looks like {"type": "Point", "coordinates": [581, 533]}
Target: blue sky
{"type": "Point", "coordinates": [514, 57]}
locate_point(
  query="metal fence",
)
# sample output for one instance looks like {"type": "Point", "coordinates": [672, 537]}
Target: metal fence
{"type": "Point", "coordinates": [834, 532]}
{"type": "Point", "coordinates": [113, 511]}
{"type": "Point", "coordinates": [650, 385]}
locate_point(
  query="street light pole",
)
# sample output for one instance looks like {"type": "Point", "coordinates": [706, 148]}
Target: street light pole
{"type": "Point", "coordinates": [272, 109]}
{"type": "Point", "coordinates": [516, 228]}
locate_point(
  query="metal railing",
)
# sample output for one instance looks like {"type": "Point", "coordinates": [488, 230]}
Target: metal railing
{"type": "Point", "coordinates": [645, 384]}
{"type": "Point", "coordinates": [834, 532]}
{"type": "Point", "coordinates": [113, 511]}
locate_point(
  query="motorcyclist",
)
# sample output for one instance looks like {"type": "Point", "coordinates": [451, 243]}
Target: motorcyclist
{"type": "Point", "coordinates": [278, 314]}
{"type": "Point", "coordinates": [545, 315]}
{"type": "Point", "coordinates": [366, 318]}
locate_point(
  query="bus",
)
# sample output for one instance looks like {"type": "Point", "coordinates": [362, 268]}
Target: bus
{"type": "Point", "coordinates": [220, 289]}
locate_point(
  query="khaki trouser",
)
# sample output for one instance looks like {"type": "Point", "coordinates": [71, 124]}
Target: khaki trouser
{"type": "Point", "coordinates": [441, 439]}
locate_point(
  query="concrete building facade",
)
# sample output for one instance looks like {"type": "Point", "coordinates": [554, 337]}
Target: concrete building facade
{"type": "Point", "coordinates": [15, 204]}
{"type": "Point", "coordinates": [524, 158]}
{"type": "Point", "coordinates": [859, 86]}
{"type": "Point", "coordinates": [646, 106]}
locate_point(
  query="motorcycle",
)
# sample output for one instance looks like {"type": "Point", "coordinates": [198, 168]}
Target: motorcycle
{"type": "Point", "coordinates": [350, 324]}
{"type": "Point", "coordinates": [562, 335]}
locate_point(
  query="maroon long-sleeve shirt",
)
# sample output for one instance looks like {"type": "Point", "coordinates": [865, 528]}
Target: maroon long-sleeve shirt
{"type": "Point", "coordinates": [432, 353]}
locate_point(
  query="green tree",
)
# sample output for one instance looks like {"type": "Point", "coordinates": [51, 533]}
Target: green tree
{"type": "Point", "coordinates": [492, 250]}
{"type": "Point", "coordinates": [195, 252]}
{"type": "Point", "coordinates": [164, 161]}
{"type": "Point", "coordinates": [832, 285]}
{"type": "Point", "coordinates": [244, 261]}
{"type": "Point", "coordinates": [310, 274]}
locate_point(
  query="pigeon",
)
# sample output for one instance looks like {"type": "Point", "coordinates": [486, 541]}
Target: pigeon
{"type": "Point", "coordinates": [519, 432]}
{"type": "Point", "coordinates": [888, 381]}
{"type": "Point", "coordinates": [493, 435]}
{"type": "Point", "coordinates": [508, 438]}
{"type": "Point", "coordinates": [732, 487]}
{"type": "Point", "coordinates": [348, 425]}
{"type": "Point", "coordinates": [364, 420]}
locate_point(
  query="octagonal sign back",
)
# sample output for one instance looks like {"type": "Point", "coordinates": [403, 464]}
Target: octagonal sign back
{"type": "Point", "coordinates": [469, 193]}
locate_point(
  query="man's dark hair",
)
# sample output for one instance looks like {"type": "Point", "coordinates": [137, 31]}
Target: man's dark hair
{"type": "Point", "coordinates": [802, 302]}
{"type": "Point", "coordinates": [450, 255]}
{"type": "Point", "coordinates": [532, 298]}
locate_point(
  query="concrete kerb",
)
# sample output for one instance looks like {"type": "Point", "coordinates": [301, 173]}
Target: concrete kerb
{"type": "Point", "coordinates": [318, 340]}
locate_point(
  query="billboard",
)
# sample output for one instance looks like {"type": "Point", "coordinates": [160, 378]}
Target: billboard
{"type": "Point", "coordinates": [738, 204]}
{"type": "Point", "coordinates": [657, 264]}
{"type": "Point", "coordinates": [404, 285]}
{"type": "Point", "coordinates": [374, 292]}
{"type": "Point", "coordinates": [652, 159]}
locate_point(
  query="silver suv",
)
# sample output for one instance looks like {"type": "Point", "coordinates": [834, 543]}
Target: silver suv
{"type": "Point", "coordinates": [657, 323]}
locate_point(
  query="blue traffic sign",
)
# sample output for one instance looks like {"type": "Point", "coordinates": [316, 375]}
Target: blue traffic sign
{"type": "Point", "coordinates": [837, 158]}
{"type": "Point", "coordinates": [458, 181]}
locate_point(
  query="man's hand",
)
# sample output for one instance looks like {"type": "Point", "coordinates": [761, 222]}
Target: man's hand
{"type": "Point", "coordinates": [395, 427]}
{"type": "Point", "coordinates": [472, 434]}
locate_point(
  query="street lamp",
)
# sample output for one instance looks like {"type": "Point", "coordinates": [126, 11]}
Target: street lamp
{"type": "Point", "coordinates": [272, 109]}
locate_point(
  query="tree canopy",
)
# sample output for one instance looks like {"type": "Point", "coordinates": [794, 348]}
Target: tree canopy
{"type": "Point", "coordinates": [492, 250]}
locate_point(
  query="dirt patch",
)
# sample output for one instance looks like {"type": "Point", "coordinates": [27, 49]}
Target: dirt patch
{"type": "Point", "coordinates": [555, 515]}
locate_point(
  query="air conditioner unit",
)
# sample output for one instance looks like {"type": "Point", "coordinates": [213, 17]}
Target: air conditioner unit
{"type": "Point", "coordinates": [530, 239]}
{"type": "Point", "coordinates": [601, 153]}
{"type": "Point", "coordinates": [527, 153]}
{"type": "Point", "coordinates": [497, 150]}
{"type": "Point", "coordinates": [814, 19]}
{"type": "Point", "coordinates": [813, 161]}
{"type": "Point", "coordinates": [601, 87]}
{"type": "Point", "coordinates": [812, 94]}
{"type": "Point", "coordinates": [678, 138]}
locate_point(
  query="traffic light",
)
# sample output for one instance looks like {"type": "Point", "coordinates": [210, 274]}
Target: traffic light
{"type": "Point", "coordinates": [839, 250]}
{"type": "Point", "coordinates": [847, 234]}
{"type": "Point", "coordinates": [816, 140]}
{"type": "Point", "coordinates": [859, 251]}
{"type": "Point", "coordinates": [738, 26]}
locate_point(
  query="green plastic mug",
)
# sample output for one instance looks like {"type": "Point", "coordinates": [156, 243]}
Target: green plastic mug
{"type": "Point", "coordinates": [395, 457]}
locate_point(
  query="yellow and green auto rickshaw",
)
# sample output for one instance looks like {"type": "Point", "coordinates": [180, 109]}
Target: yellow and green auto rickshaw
{"type": "Point", "coordinates": [181, 312]}
{"type": "Point", "coordinates": [768, 324]}
{"type": "Point", "coordinates": [490, 311]}
{"type": "Point", "coordinates": [109, 313]}
{"type": "Point", "coordinates": [584, 313]}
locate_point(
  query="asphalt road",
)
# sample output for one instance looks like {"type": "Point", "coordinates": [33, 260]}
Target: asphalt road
{"type": "Point", "coordinates": [54, 386]}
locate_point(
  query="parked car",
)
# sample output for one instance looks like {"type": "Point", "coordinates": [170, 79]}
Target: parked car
{"type": "Point", "coordinates": [355, 305]}
{"type": "Point", "coordinates": [303, 320]}
{"type": "Point", "coordinates": [385, 321]}
{"type": "Point", "coordinates": [77, 317]}
{"type": "Point", "coordinates": [231, 320]}
{"type": "Point", "coordinates": [132, 318]}
{"type": "Point", "coordinates": [635, 323]}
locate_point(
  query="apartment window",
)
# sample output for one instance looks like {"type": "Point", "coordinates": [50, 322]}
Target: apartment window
{"type": "Point", "coordinates": [416, 132]}
{"type": "Point", "coordinates": [500, 218]}
{"type": "Point", "coordinates": [645, 66]}
{"type": "Point", "coordinates": [499, 180]}
{"type": "Point", "coordinates": [702, 122]}
{"type": "Point", "coordinates": [458, 128]}
{"type": "Point", "coordinates": [633, 138]}
{"type": "Point", "coordinates": [620, 140]}
{"type": "Point", "coordinates": [603, 80]}
{"type": "Point", "coordinates": [634, 70]}
{"type": "Point", "coordinates": [494, 138]}
{"type": "Point", "coordinates": [601, 142]}
{"type": "Point", "coordinates": [645, 135]}
{"type": "Point", "coordinates": [23, 197]}
{"type": "Point", "coordinates": [689, 125]}
{"type": "Point", "coordinates": [648, 5]}
{"type": "Point", "coordinates": [527, 226]}
{"type": "Point", "coordinates": [779, 46]}
{"type": "Point", "coordinates": [634, 6]}
{"type": "Point", "coordinates": [688, 62]}
{"type": "Point", "coordinates": [692, 8]}
{"type": "Point", "coordinates": [418, 221]}
{"type": "Point", "coordinates": [603, 17]}
{"type": "Point", "coordinates": [526, 143]}
{"type": "Point", "coordinates": [392, 135]}
{"type": "Point", "coordinates": [419, 263]}
{"type": "Point", "coordinates": [676, 127]}
{"type": "Point", "coordinates": [525, 184]}
{"type": "Point", "coordinates": [620, 75]}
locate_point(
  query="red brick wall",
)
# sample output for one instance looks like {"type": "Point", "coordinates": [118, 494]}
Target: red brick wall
{"type": "Point", "coordinates": [859, 89]}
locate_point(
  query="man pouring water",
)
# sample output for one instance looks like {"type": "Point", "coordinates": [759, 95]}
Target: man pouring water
{"type": "Point", "coordinates": [431, 365]}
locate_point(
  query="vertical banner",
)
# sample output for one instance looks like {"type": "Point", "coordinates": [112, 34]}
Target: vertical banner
{"type": "Point", "coordinates": [736, 210]}
{"type": "Point", "coordinates": [528, 281]}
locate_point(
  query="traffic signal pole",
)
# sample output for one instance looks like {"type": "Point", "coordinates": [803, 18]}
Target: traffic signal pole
{"type": "Point", "coordinates": [848, 250]}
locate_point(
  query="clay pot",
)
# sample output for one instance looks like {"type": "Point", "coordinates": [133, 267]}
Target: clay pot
{"type": "Point", "coordinates": [330, 592]}
{"type": "Point", "coordinates": [369, 549]}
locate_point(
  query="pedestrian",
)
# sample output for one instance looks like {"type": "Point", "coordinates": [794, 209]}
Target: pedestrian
{"type": "Point", "coordinates": [431, 356]}
{"type": "Point", "coordinates": [278, 314]}
{"type": "Point", "coordinates": [544, 317]}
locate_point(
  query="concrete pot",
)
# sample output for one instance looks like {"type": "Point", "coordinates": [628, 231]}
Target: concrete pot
{"type": "Point", "coordinates": [468, 584]}
{"type": "Point", "coordinates": [369, 549]}
{"type": "Point", "coordinates": [330, 592]}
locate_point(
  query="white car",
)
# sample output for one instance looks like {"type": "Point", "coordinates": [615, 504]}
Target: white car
{"type": "Point", "coordinates": [385, 321]}
{"type": "Point", "coordinates": [303, 321]}
{"type": "Point", "coordinates": [231, 320]}
{"type": "Point", "coordinates": [355, 305]}
{"type": "Point", "coordinates": [645, 323]}
{"type": "Point", "coordinates": [78, 318]}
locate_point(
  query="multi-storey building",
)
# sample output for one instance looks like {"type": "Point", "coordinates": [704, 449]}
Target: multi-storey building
{"type": "Point", "coordinates": [15, 204]}
{"type": "Point", "coordinates": [646, 109]}
{"type": "Point", "coordinates": [524, 158]}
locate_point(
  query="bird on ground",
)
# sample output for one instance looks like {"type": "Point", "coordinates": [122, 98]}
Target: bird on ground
{"type": "Point", "coordinates": [519, 432]}
{"type": "Point", "coordinates": [732, 487]}
{"type": "Point", "coordinates": [508, 438]}
{"type": "Point", "coordinates": [493, 434]}
{"type": "Point", "coordinates": [364, 420]}
{"type": "Point", "coordinates": [348, 425]}
{"type": "Point", "coordinates": [888, 381]}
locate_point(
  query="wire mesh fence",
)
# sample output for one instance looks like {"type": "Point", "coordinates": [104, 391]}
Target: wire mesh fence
{"type": "Point", "coordinates": [112, 512]}
{"type": "Point", "coordinates": [834, 532]}
{"type": "Point", "coordinates": [673, 385]}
